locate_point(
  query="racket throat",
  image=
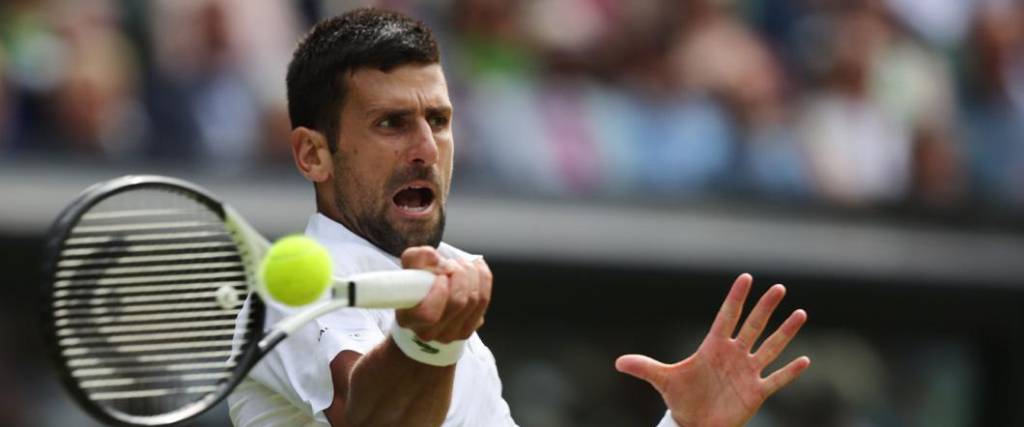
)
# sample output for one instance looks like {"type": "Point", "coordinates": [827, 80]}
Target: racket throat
{"type": "Point", "coordinates": [270, 341]}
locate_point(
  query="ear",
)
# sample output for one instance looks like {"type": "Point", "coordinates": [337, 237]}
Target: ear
{"type": "Point", "coordinates": [311, 154]}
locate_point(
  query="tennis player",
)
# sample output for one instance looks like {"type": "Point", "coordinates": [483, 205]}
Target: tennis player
{"type": "Point", "coordinates": [372, 130]}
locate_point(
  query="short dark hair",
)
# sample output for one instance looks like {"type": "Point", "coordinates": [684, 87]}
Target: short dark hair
{"type": "Point", "coordinates": [340, 45]}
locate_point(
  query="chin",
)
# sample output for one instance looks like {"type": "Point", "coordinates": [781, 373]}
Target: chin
{"type": "Point", "coordinates": [423, 235]}
{"type": "Point", "coordinates": [395, 237]}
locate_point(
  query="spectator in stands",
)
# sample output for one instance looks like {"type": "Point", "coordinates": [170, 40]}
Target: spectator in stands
{"type": "Point", "coordinates": [994, 107]}
{"type": "Point", "coordinates": [716, 53]}
{"type": "Point", "coordinates": [205, 108]}
{"type": "Point", "coordinates": [859, 155]}
{"type": "Point", "coordinates": [96, 104]}
{"type": "Point", "coordinates": [4, 109]}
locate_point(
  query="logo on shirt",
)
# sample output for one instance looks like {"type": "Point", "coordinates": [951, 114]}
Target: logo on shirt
{"type": "Point", "coordinates": [322, 330]}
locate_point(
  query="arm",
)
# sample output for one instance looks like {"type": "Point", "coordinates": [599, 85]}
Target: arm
{"type": "Point", "coordinates": [386, 387]}
{"type": "Point", "coordinates": [720, 385]}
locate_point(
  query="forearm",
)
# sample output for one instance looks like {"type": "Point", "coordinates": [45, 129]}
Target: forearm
{"type": "Point", "coordinates": [386, 387]}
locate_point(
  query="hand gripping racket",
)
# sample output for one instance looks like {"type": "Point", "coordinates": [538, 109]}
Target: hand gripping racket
{"type": "Point", "coordinates": [152, 306]}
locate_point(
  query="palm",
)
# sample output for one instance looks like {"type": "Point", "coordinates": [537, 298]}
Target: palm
{"type": "Point", "coordinates": [721, 384]}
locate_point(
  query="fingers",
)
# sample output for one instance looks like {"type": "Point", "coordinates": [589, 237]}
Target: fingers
{"type": "Point", "coordinates": [644, 368]}
{"type": "Point", "coordinates": [729, 314]}
{"type": "Point", "coordinates": [786, 375]}
{"type": "Point", "coordinates": [778, 340]}
{"type": "Point", "coordinates": [458, 311]}
{"type": "Point", "coordinates": [476, 319]}
{"type": "Point", "coordinates": [462, 303]}
{"type": "Point", "coordinates": [758, 317]}
{"type": "Point", "coordinates": [430, 309]}
{"type": "Point", "coordinates": [421, 257]}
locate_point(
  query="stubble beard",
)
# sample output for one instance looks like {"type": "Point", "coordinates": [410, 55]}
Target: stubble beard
{"type": "Point", "coordinates": [372, 224]}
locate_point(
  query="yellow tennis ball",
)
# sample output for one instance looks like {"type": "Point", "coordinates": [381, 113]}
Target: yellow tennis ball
{"type": "Point", "coordinates": [296, 270]}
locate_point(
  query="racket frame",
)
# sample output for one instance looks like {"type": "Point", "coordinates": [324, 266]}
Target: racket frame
{"type": "Point", "coordinates": [251, 247]}
{"type": "Point", "coordinates": [382, 289]}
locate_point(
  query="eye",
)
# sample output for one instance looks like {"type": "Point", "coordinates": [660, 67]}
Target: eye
{"type": "Point", "coordinates": [438, 121]}
{"type": "Point", "coordinates": [391, 122]}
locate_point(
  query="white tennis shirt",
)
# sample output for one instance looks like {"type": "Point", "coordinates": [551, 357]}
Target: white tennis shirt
{"type": "Point", "coordinates": [292, 385]}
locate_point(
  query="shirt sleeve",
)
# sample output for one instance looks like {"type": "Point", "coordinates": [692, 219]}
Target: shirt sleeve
{"type": "Point", "coordinates": [300, 367]}
{"type": "Point", "coordinates": [352, 329]}
{"type": "Point", "coordinates": [252, 404]}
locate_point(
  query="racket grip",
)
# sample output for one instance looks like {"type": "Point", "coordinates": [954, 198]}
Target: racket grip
{"type": "Point", "coordinates": [389, 289]}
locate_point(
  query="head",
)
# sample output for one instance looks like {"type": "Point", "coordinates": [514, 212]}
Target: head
{"type": "Point", "coordinates": [371, 126]}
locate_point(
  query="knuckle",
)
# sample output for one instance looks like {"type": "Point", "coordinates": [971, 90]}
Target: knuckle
{"type": "Point", "coordinates": [414, 252]}
{"type": "Point", "coordinates": [474, 298]}
{"type": "Point", "coordinates": [459, 301]}
{"type": "Point", "coordinates": [419, 256]}
{"type": "Point", "coordinates": [468, 267]}
{"type": "Point", "coordinates": [484, 269]}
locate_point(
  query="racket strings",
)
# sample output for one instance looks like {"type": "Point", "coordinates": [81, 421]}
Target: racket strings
{"type": "Point", "coordinates": [147, 297]}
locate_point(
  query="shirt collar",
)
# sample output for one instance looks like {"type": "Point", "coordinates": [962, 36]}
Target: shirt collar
{"type": "Point", "coordinates": [331, 233]}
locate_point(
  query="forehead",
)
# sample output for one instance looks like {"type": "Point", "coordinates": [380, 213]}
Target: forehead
{"type": "Point", "coordinates": [406, 86]}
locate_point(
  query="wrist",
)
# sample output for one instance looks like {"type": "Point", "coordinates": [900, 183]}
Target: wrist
{"type": "Point", "coordinates": [428, 352]}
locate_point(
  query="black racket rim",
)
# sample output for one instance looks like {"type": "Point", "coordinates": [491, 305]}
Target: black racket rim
{"type": "Point", "coordinates": [59, 232]}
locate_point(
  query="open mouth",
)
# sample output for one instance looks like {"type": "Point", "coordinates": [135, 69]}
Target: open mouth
{"type": "Point", "coordinates": [414, 198]}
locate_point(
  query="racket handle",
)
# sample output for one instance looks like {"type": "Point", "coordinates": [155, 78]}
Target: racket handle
{"type": "Point", "coordinates": [388, 289]}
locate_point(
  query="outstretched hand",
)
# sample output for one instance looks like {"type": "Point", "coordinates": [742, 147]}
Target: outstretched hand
{"type": "Point", "coordinates": [721, 384]}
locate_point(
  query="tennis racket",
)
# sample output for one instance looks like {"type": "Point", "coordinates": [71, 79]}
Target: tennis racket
{"type": "Point", "coordinates": [153, 309]}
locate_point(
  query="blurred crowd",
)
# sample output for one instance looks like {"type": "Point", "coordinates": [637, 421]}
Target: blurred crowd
{"type": "Point", "coordinates": [850, 102]}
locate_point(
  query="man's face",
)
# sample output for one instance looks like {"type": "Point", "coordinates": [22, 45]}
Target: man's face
{"type": "Point", "coordinates": [393, 167]}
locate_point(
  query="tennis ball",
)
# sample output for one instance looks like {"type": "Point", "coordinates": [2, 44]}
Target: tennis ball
{"type": "Point", "coordinates": [296, 270]}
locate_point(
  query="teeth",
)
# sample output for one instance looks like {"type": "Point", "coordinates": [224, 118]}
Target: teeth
{"type": "Point", "coordinates": [414, 209]}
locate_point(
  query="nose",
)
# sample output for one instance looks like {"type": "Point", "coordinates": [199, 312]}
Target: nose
{"type": "Point", "coordinates": [423, 146]}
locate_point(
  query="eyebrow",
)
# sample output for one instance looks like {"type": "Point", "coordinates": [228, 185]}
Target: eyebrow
{"type": "Point", "coordinates": [386, 111]}
{"type": "Point", "coordinates": [444, 111]}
